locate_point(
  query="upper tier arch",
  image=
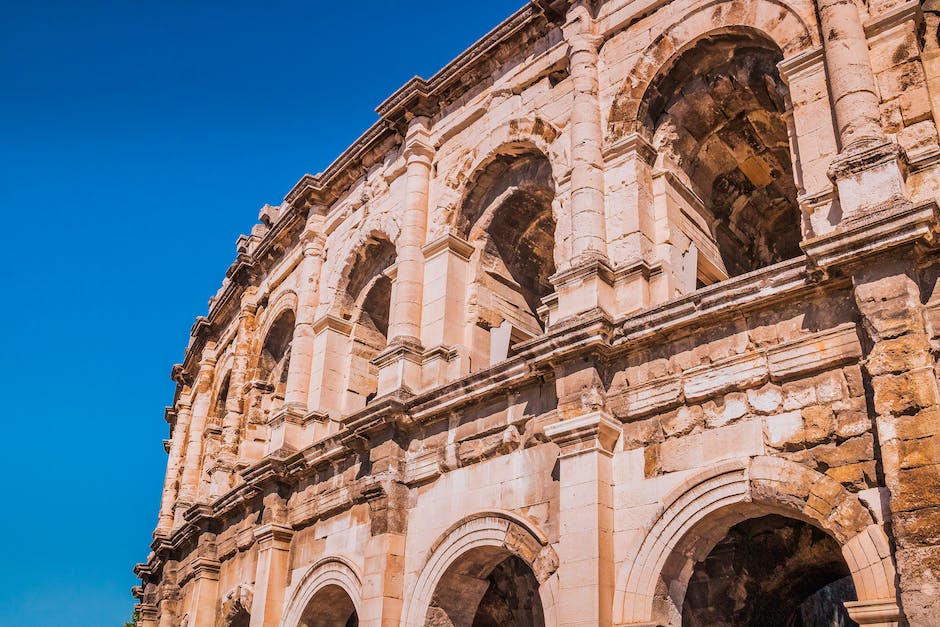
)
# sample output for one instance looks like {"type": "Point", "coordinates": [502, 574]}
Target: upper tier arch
{"type": "Point", "coordinates": [768, 19]}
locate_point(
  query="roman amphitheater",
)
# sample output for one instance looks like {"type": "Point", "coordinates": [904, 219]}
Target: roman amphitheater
{"type": "Point", "coordinates": [630, 315]}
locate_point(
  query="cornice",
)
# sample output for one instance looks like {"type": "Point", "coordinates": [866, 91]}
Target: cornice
{"type": "Point", "coordinates": [911, 11]}
{"type": "Point", "coordinates": [895, 225]}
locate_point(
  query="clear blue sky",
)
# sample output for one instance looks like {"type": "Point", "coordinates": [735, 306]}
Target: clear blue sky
{"type": "Point", "coordinates": [137, 141]}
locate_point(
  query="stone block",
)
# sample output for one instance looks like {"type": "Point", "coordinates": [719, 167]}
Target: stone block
{"type": "Point", "coordinates": [732, 407]}
{"type": "Point", "coordinates": [784, 430]}
{"type": "Point", "coordinates": [798, 394]}
{"type": "Point", "coordinates": [850, 423]}
{"type": "Point", "coordinates": [766, 399]}
{"type": "Point", "coordinates": [818, 424]}
{"type": "Point", "coordinates": [905, 393]}
{"type": "Point", "coordinates": [921, 452]}
{"type": "Point", "coordinates": [855, 477]}
{"type": "Point", "coordinates": [900, 354]}
{"type": "Point", "coordinates": [742, 439]}
{"type": "Point", "coordinates": [683, 421]}
{"type": "Point", "coordinates": [917, 488]}
{"type": "Point", "coordinates": [922, 424]}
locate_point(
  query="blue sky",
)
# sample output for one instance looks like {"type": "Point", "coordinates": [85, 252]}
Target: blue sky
{"type": "Point", "coordinates": [137, 141]}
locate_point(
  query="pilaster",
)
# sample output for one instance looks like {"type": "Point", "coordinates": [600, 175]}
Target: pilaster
{"type": "Point", "coordinates": [302, 343]}
{"type": "Point", "coordinates": [906, 402]}
{"type": "Point", "coordinates": [173, 466]}
{"type": "Point", "coordinates": [586, 551]}
{"type": "Point", "coordinates": [205, 597]}
{"type": "Point", "coordinates": [327, 372]}
{"type": "Point", "coordinates": [192, 466]}
{"type": "Point", "coordinates": [271, 574]}
{"type": "Point", "coordinates": [443, 321]}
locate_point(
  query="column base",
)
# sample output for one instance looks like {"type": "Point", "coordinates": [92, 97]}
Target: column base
{"type": "Point", "coordinates": [290, 429]}
{"type": "Point", "coordinates": [400, 366]}
{"type": "Point", "coordinates": [869, 175]}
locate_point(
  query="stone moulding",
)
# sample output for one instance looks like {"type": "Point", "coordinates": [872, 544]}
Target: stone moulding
{"type": "Point", "coordinates": [511, 533]}
{"type": "Point", "coordinates": [335, 570]}
{"type": "Point", "coordinates": [805, 355]}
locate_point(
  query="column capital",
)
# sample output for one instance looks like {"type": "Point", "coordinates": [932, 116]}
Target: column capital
{"type": "Point", "coordinates": [206, 568]}
{"type": "Point", "coordinates": [273, 534]}
{"type": "Point", "coordinates": [874, 611]}
{"type": "Point", "coordinates": [596, 431]}
{"type": "Point", "coordinates": [448, 242]}
{"type": "Point", "coordinates": [418, 145]}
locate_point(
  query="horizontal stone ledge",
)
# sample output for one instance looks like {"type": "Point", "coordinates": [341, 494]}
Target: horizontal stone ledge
{"type": "Point", "coordinates": [805, 355]}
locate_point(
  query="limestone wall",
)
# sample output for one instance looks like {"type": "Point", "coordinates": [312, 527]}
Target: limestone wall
{"type": "Point", "coordinates": [628, 290]}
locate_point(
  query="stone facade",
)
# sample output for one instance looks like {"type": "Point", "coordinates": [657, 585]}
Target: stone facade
{"type": "Point", "coordinates": [628, 316]}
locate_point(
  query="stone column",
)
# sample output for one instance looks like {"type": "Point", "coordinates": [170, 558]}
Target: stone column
{"type": "Point", "coordinates": [585, 281]}
{"type": "Point", "coordinates": [868, 170]}
{"type": "Point", "coordinates": [589, 239]}
{"type": "Point", "coordinates": [298, 374]}
{"type": "Point", "coordinates": [189, 482]}
{"type": "Point", "coordinates": [405, 325]}
{"type": "Point", "coordinates": [586, 574]}
{"type": "Point", "coordinates": [170, 483]}
{"type": "Point", "coordinates": [235, 402]}
{"type": "Point", "coordinates": [906, 405]}
{"type": "Point", "coordinates": [851, 82]}
{"type": "Point", "coordinates": [399, 365]}
{"type": "Point", "coordinates": [271, 574]}
{"type": "Point", "coordinates": [205, 597]}
{"type": "Point", "coordinates": [289, 428]}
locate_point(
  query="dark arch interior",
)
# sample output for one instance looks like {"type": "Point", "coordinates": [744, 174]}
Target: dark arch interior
{"type": "Point", "coordinates": [375, 256]}
{"type": "Point", "coordinates": [509, 207]}
{"type": "Point", "coordinates": [367, 303]}
{"type": "Point", "coordinates": [487, 588]}
{"type": "Point", "coordinates": [275, 354]}
{"type": "Point", "coordinates": [718, 114]}
{"type": "Point", "coordinates": [330, 607]}
{"type": "Point", "coordinates": [218, 406]}
{"type": "Point", "coordinates": [241, 618]}
{"type": "Point", "coordinates": [770, 572]}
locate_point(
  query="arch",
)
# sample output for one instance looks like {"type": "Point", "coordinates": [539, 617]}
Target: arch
{"type": "Point", "coordinates": [329, 572]}
{"type": "Point", "coordinates": [510, 534]}
{"type": "Point", "coordinates": [532, 131]}
{"type": "Point", "coordinates": [702, 509]}
{"type": "Point", "coordinates": [770, 19]}
{"type": "Point", "coordinates": [283, 302]}
{"type": "Point", "coordinates": [344, 248]}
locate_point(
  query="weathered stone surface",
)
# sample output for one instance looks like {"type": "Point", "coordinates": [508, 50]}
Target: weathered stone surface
{"type": "Point", "coordinates": [622, 276]}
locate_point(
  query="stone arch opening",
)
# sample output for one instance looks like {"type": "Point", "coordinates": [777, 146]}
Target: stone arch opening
{"type": "Point", "coordinates": [507, 216]}
{"type": "Point", "coordinates": [217, 412]}
{"type": "Point", "coordinates": [703, 511]}
{"type": "Point", "coordinates": [366, 303]}
{"type": "Point", "coordinates": [331, 606]}
{"type": "Point", "coordinates": [717, 116]}
{"type": "Point", "coordinates": [770, 571]}
{"type": "Point", "coordinates": [274, 361]}
{"type": "Point", "coordinates": [487, 587]}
